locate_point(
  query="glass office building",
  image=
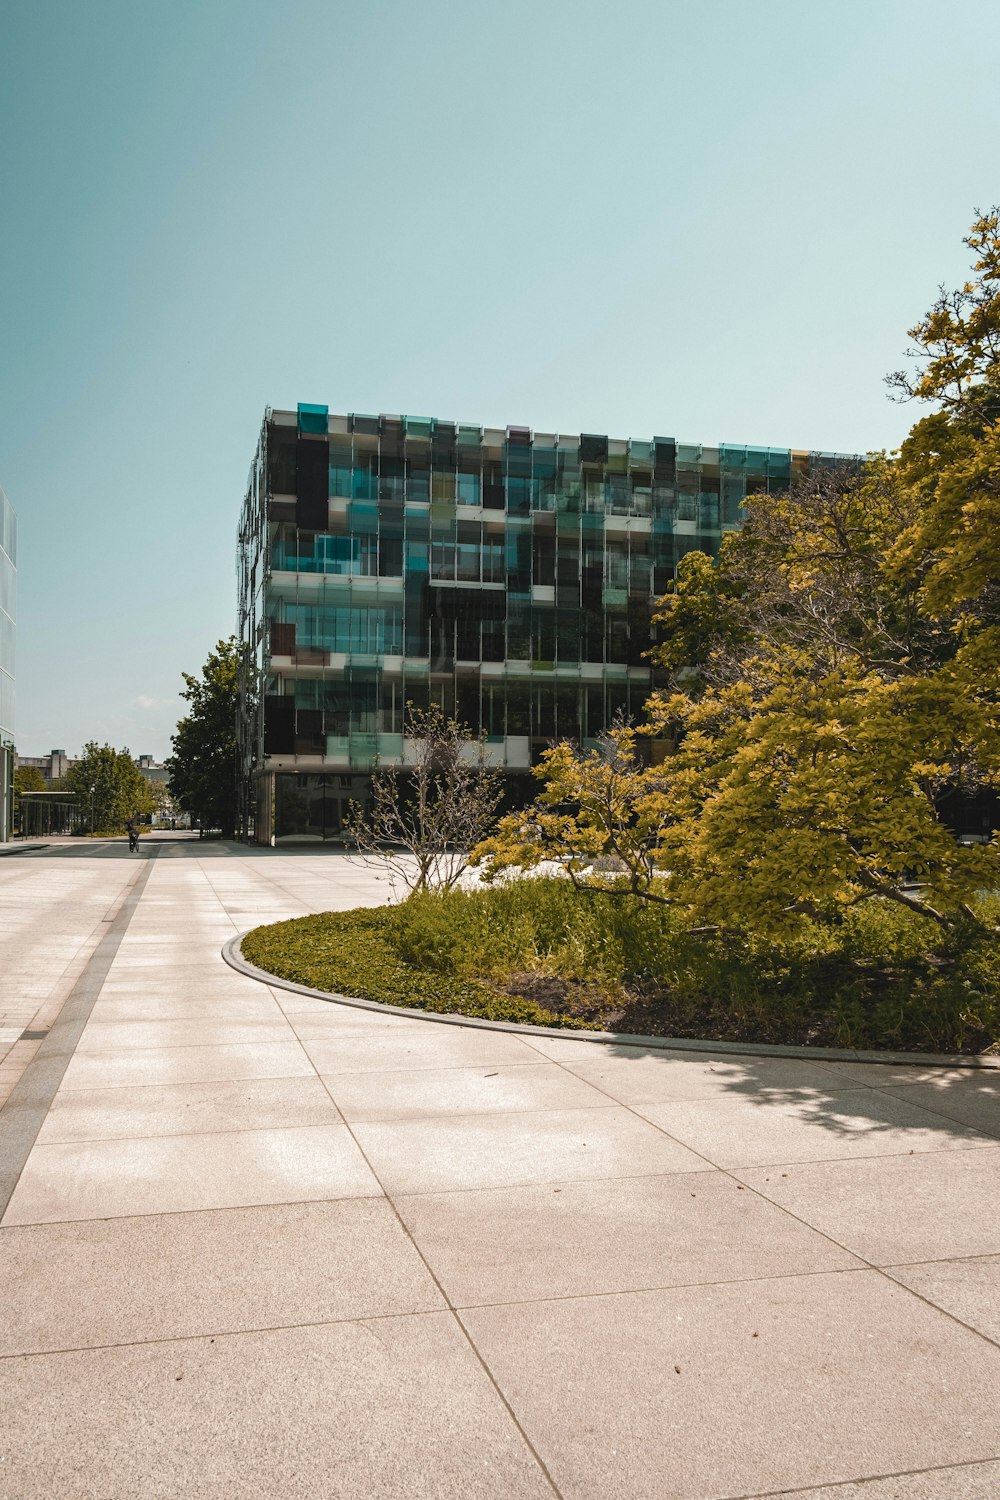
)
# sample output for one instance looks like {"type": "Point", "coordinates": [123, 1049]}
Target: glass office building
{"type": "Point", "coordinates": [503, 573]}
{"type": "Point", "coordinates": [8, 561]}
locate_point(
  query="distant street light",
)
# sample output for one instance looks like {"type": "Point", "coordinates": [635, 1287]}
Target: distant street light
{"type": "Point", "coordinates": [93, 789]}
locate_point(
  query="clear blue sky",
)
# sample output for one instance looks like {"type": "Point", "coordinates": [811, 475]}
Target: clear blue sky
{"type": "Point", "coordinates": [711, 220]}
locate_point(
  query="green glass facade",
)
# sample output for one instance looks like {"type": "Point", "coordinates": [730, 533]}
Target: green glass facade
{"type": "Point", "coordinates": [504, 573]}
{"type": "Point", "coordinates": [8, 563]}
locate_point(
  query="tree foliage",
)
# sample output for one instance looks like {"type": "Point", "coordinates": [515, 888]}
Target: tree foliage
{"type": "Point", "coordinates": [203, 765]}
{"type": "Point", "coordinates": [956, 345]}
{"type": "Point", "coordinates": [834, 677]}
{"type": "Point", "coordinates": [26, 779]}
{"type": "Point", "coordinates": [108, 788]}
{"type": "Point", "coordinates": [422, 821]}
{"type": "Point", "coordinates": [950, 463]}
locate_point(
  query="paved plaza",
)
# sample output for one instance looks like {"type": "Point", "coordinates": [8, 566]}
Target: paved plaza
{"type": "Point", "coordinates": [255, 1244]}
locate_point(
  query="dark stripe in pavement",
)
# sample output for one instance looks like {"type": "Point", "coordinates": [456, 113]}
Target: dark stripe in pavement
{"type": "Point", "coordinates": [29, 1100]}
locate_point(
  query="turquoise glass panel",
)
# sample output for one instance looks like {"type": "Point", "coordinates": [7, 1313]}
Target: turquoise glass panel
{"type": "Point", "coordinates": [313, 418]}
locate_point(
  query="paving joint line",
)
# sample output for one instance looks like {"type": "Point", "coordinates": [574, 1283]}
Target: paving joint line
{"type": "Point", "coordinates": [939, 1260]}
{"type": "Point", "coordinates": [451, 1308]}
{"type": "Point", "coordinates": [173, 1135]}
{"type": "Point", "coordinates": [224, 1333]}
{"type": "Point", "coordinates": [867, 1479]}
{"type": "Point", "coordinates": [668, 1286]}
{"type": "Point", "coordinates": [185, 1135]}
{"type": "Point", "coordinates": [892, 1090]}
{"type": "Point", "coordinates": [31, 1097]}
{"type": "Point", "coordinates": [41, 1225]}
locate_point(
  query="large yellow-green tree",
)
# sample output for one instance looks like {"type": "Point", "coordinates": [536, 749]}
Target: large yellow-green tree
{"type": "Point", "coordinates": [835, 681]}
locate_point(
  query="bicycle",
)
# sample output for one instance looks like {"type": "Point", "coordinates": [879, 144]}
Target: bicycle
{"type": "Point", "coordinates": [133, 841]}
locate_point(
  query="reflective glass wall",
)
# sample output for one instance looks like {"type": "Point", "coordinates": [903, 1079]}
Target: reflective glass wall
{"type": "Point", "coordinates": [503, 573]}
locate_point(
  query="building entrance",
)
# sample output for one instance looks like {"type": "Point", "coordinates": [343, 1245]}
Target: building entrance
{"type": "Point", "coordinates": [315, 807]}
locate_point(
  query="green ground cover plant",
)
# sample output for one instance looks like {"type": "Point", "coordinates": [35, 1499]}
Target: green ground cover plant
{"type": "Point", "coordinates": [355, 953]}
{"type": "Point", "coordinates": [537, 950]}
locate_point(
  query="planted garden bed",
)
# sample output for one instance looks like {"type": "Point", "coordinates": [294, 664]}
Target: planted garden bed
{"type": "Point", "coordinates": [538, 952]}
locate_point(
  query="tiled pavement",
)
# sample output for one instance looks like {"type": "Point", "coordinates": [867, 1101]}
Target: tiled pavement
{"type": "Point", "coordinates": [265, 1246]}
{"type": "Point", "coordinates": [51, 917]}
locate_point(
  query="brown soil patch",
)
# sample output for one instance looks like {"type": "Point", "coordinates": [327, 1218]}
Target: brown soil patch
{"type": "Point", "coordinates": [658, 1010]}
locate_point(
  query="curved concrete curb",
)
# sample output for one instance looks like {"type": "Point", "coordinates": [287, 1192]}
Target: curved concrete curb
{"type": "Point", "coordinates": [234, 957]}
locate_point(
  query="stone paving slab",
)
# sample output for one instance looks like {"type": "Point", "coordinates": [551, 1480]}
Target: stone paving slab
{"type": "Point", "coordinates": [740, 1389]}
{"type": "Point", "coordinates": [211, 980]}
{"type": "Point", "coordinates": [429, 1047]}
{"type": "Point", "coordinates": [301, 1006]}
{"type": "Point", "coordinates": [212, 1031]}
{"type": "Point", "coordinates": [875, 1075]}
{"type": "Point", "coordinates": [331, 1022]}
{"type": "Point", "coordinates": [170, 1276]}
{"type": "Point", "coordinates": [428, 1093]}
{"type": "Point", "coordinates": [973, 1101]}
{"type": "Point", "coordinates": [148, 1006]}
{"type": "Point", "coordinates": [126, 1069]}
{"type": "Point", "coordinates": [894, 1209]}
{"type": "Point", "coordinates": [187, 1109]}
{"type": "Point", "coordinates": [398, 1408]}
{"type": "Point", "coordinates": [968, 1289]}
{"type": "Point", "coordinates": [860, 1122]}
{"type": "Point", "coordinates": [631, 1234]}
{"type": "Point", "coordinates": [173, 1174]}
{"type": "Point", "coordinates": [507, 1150]}
{"type": "Point", "coordinates": [641, 1079]}
{"type": "Point", "coordinates": [979, 1481]}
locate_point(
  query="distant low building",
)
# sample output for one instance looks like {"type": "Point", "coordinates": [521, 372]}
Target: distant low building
{"type": "Point", "coordinates": [153, 770]}
{"type": "Point", "coordinates": [8, 560]}
{"type": "Point", "coordinates": [53, 767]}
{"type": "Point", "coordinates": [57, 764]}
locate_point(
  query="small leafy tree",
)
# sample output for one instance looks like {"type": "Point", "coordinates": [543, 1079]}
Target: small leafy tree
{"type": "Point", "coordinates": [422, 822]}
{"type": "Point", "coordinates": [28, 779]}
{"type": "Point", "coordinates": [776, 811]}
{"type": "Point", "coordinates": [203, 765]}
{"type": "Point", "coordinates": [108, 787]}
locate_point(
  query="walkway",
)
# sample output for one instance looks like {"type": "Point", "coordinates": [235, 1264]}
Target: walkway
{"type": "Point", "coordinates": [257, 1245]}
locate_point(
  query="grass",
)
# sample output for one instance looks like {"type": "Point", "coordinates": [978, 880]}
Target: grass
{"type": "Point", "coordinates": [536, 951]}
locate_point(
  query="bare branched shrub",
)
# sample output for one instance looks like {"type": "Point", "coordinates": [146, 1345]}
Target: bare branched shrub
{"type": "Point", "coordinates": [423, 820]}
